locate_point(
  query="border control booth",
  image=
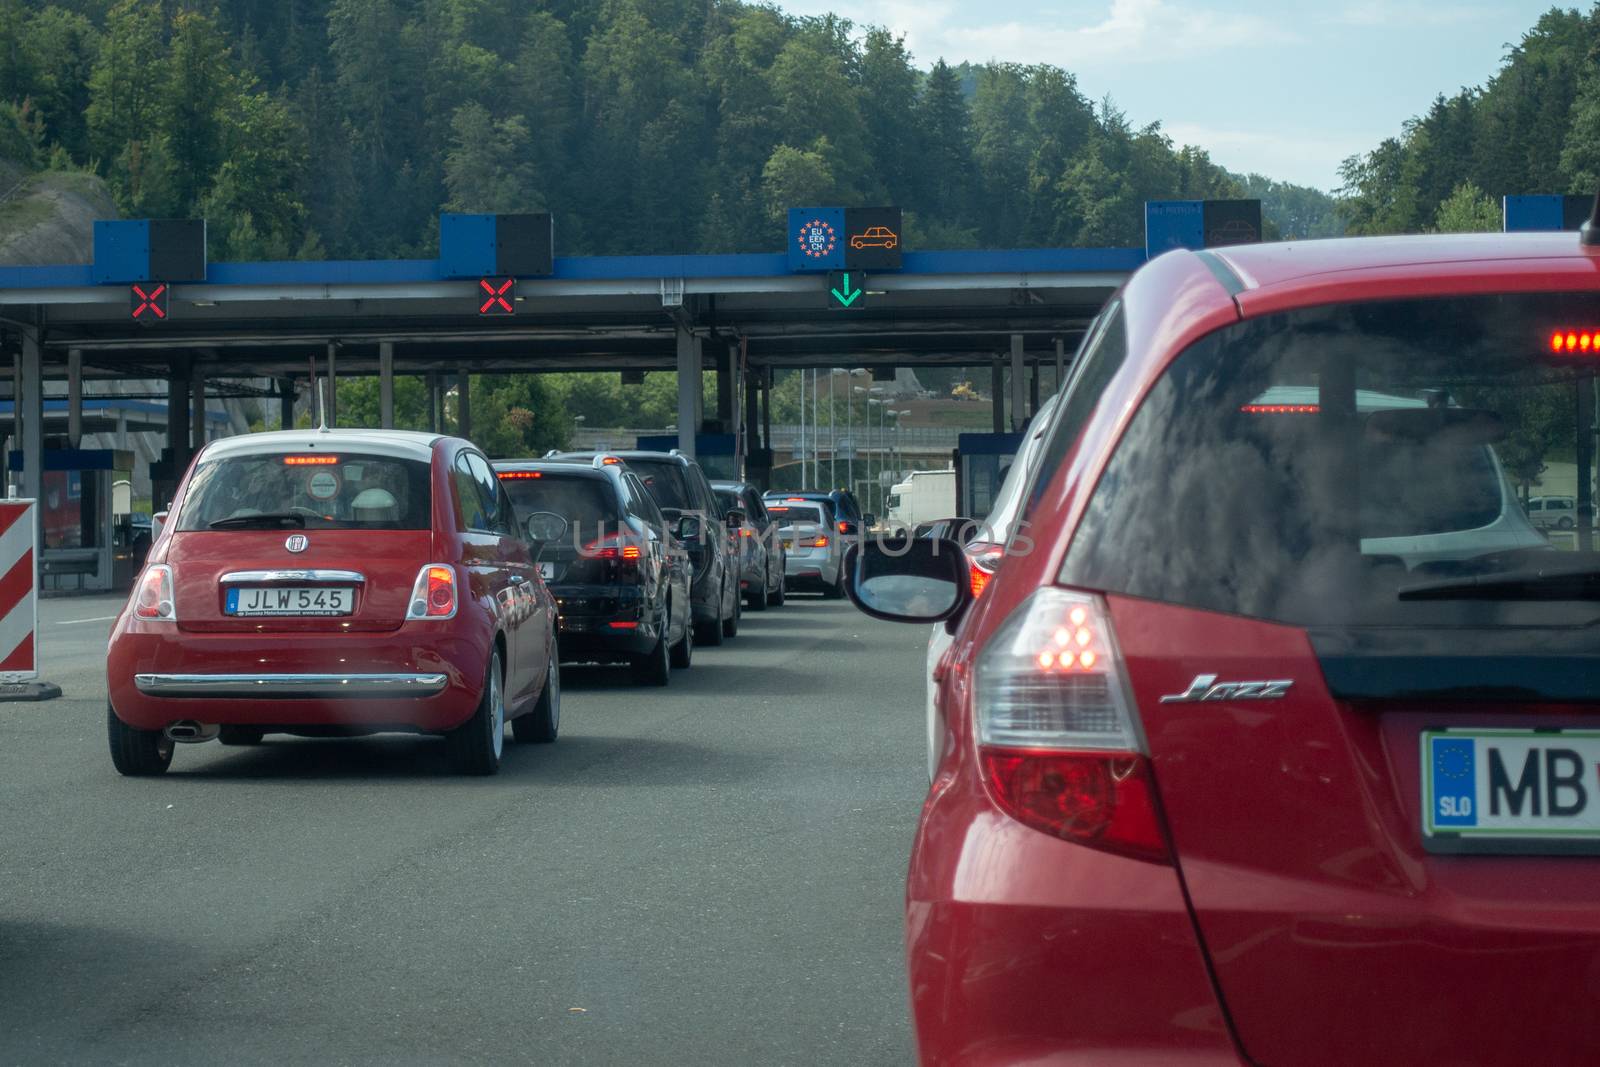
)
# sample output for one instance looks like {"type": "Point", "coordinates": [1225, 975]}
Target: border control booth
{"type": "Point", "coordinates": [79, 539]}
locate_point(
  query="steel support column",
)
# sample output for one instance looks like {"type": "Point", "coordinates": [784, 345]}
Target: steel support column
{"type": "Point", "coordinates": [725, 385]}
{"type": "Point", "coordinates": [333, 383]}
{"type": "Point", "coordinates": [1061, 359]}
{"type": "Point", "coordinates": [689, 388]}
{"type": "Point", "coordinates": [178, 413]}
{"type": "Point", "coordinates": [997, 386]}
{"type": "Point", "coordinates": [74, 397]}
{"type": "Point", "coordinates": [285, 403]}
{"type": "Point", "coordinates": [1033, 388]}
{"type": "Point", "coordinates": [30, 403]}
{"type": "Point", "coordinates": [1019, 383]}
{"type": "Point", "coordinates": [386, 385]}
{"type": "Point", "coordinates": [197, 413]}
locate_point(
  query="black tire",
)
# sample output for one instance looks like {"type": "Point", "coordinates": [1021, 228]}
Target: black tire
{"type": "Point", "coordinates": [778, 595]}
{"type": "Point", "coordinates": [542, 725]}
{"type": "Point", "coordinates": [833, 592]}
{"type": "Point", "coordinates": [240, 735]}
{"type": "Point", "coordinates": [756, 600]}
{"type": "Point", "coordinates": [730, 625]}
{"type": "Point", "coordinates": [474, 747]}
{"type": "Point", "coordinates": [1564, 523]}
{"type": "Point", "coordinates": [137, 753]}
{"type": "Point", "coordinates": [655, 666]}
{"type": "Point", "coordinates": [683, 651]}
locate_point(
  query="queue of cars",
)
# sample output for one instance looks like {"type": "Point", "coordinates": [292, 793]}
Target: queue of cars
{"type": "Point", "coordinates": [1277, 743]}
{"type": "Point", "coordinates": [348, 582]}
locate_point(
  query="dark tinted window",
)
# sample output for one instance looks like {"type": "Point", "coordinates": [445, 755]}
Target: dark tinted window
{"type": "Point", "coordinates": [1104, 350]}
{"type": "Point", "coordinates": [790, 514]}
{"type": "Point", "coordinates": [586, 503]}
{"type": "Point", "coordinates": [498, 518]}
{"type": "Point", "coordinates": [665, 481]}
{"type": "Point", "coordinates": [352, 492]}
{"type": "Point", "coordinates": [1306, 467]}
{"type": "Point", "coordinates": [471, 509]}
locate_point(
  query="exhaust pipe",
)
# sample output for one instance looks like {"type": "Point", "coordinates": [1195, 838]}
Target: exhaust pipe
{"type": "Point", "coordinates": [192, 733]}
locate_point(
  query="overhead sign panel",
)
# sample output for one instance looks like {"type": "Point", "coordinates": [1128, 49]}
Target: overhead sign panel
{"type": "Point", "coordinates": [1532, 214]}
{"type": "Point", "coordinates": [517, 246]}
{"type": "Point", "coordinates": [816, 239]}
{"type": "Point", "coordinates": [1231, 222]}
{"type": "Point", "coordinates": [140, 250]}
{"type": "Point", "coordinates": [873, 237]}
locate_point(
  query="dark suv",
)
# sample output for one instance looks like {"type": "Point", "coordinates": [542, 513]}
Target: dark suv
{"type": "Point", "coordinates": [761, 552]}
{"type": "Point", "coordinates": [618, 572]}
{"type": "Point", "coordinates": [680, 489]}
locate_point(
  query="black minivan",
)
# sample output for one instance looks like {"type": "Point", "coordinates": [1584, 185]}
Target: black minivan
{"type": "Point", "coordinates": [614, 563]}
{"type": "Point", "coordinates": [680, 489]}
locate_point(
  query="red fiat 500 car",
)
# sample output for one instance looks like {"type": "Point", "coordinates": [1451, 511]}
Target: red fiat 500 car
{"type": "Point", "coordinates": [1280, 745]}
{"type": "Point", "coordinates": [335, 582]}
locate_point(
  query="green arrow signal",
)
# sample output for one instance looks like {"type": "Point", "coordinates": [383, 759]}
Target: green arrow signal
{"type": "Point", "coordinates": [849, 296]}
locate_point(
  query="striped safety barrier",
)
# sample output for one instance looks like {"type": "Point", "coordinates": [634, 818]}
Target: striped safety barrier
{"type": "Point", "coordinates": [19, 590]}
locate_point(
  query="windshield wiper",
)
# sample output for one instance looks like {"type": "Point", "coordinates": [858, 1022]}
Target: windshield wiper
{"type": "Point", "coordinates": [1530, 584]}
{"type": "Point", "coordinates": [274, 518]}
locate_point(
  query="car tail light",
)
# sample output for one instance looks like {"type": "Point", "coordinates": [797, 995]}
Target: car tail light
{"type": "Point", "coordinates": [1058, 742]}
{"type": "Point", "coordinates": [614, 547]}
{"type": "Point", "coordinates": [983, 558]}
{"type": "Point", "coordinates": [153, 601]}
{"type": "Point", "coordinates": [433, 596]}
{"type": "Point", "coordinates": [842, 526]}
{"type": "Point", "coordinates": [745, 531]}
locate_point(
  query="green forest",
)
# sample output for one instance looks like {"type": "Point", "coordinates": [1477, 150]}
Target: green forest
{"type": "Point", "coordinates": [341, 128]}
{"type": "Point", "coordinates": [1534, 127]}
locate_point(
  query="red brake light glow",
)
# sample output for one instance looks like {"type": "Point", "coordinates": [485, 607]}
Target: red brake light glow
{"type": "Point", "coordinates": [1574, 342]}
{"type": "Point", "coordinates": [1281, 409]}
{"type": "Point", "coordinates": [519, 475]}
{"type": "Point", "coordinates": [983, 558]}
{"type": "Point", "coordinates": [613, 547]}
{"type": "Point", "coordinates": [433, 595]}
{"type": "Point", "coordinates": [310, 461]}
{"type": "Point", "coordinates": [820, 542]}
{"type": "Point", "coordinates": [610, 461]}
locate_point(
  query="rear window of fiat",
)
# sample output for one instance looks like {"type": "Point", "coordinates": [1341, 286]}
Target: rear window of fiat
{"type": "Point", "coordinates": [1324, 466]}
{"type": "Point", "coordinates": [313, 491]}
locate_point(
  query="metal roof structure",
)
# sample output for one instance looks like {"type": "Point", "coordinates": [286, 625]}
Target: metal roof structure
{"type": "Point", "coordinates": [612, 312]}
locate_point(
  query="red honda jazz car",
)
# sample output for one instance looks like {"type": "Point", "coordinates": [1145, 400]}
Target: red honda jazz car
{"type": "Point", "coordinates": [1281, 744]}
{"type": "Point", "coordinates": [335, 582]}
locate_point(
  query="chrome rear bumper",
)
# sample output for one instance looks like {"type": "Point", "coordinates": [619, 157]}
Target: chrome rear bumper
{"type": "Point", "coordinates": [290, 686]}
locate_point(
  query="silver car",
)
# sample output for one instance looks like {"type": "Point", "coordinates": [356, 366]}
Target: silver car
{"type": "Point", "coordinates": [815, 547]}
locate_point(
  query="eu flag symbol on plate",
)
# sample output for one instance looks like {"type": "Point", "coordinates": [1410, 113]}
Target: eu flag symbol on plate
{"type": "Point", "coordinates": [1455, 781]}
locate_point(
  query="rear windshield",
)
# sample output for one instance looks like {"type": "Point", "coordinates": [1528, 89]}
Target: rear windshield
{"type": "Point", "coordinates": [325, 491]}
{"type": "Point", "coordinates": [1312, 466]}
{"type": "Point", "coordinates": [791, 514]}
{"type": "Point", "coordinates": [586, 503]}
{"type": "Point", "coordinates": [665, 481]}
{"type": "Point", "coordinates": [728, 500]}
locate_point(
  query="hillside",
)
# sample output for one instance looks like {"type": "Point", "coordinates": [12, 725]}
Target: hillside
{"type": "Point", "coordinates": [49, 217]}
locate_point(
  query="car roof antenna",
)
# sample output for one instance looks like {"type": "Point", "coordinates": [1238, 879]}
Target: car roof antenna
{"type": "Point", "coordinates": [1589, 232]}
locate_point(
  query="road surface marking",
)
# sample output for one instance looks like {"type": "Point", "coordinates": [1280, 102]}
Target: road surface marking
{"type": "Point", "coordinates": [74, 622]}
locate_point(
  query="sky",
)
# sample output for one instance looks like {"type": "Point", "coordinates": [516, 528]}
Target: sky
{"type": "Point", "coordinates": [1284, 90]}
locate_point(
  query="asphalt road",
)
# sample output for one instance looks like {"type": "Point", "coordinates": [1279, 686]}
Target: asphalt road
{"type": "Point", "coordinates": [710, 874]}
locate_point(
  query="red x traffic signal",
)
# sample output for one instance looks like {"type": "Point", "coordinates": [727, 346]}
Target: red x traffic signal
{"type": "Point", "coordinates": [497, 296]}
{"type": "Point", "coordinates": [147, 301]}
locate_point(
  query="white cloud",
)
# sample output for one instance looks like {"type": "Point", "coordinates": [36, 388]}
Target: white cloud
{"type": "Point", "coordinates": [1127, 31]}
{"type": "Point", "coordinates": [1390, 15]}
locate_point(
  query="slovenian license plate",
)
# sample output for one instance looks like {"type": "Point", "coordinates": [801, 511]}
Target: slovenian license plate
{"type": "Point", "coordinates": [1534, 792]}
{"type": "Point", "coordinates": [291, 600]}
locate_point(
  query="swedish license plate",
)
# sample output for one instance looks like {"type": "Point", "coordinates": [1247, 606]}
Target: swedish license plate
{"type": "Point", "coordinates": [1534, 792]}
{"type": "Point", "coordinates": [291, 600]}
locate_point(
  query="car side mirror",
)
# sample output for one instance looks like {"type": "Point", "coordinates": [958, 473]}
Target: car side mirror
{"type": "Point", "coordinates": [688, 528]}
{"type": "Point", "coordinates": [849, 529]}
{"type": "Point", "coordinates": [869, 519]}
{"type": "Point", "coordinates": [157, 521]}
{"type": "Point", "coordinates": [545, 526]}
{"type": "Point", "coordinates": [907, 579]}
